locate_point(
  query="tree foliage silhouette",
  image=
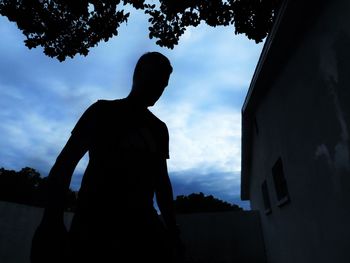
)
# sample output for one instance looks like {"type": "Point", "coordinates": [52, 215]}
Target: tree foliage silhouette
{"type": "Point", "coordinates": [199, 203]}
{"type": "Point", "coordinates": [65, 28]}
{"type": "Point", "coordinates": [28, 187]}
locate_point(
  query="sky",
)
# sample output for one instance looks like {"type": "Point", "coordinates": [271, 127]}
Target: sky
{"type": "Point", "coordinates": [41, 99]}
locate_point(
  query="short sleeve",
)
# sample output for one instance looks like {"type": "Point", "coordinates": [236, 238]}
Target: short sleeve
{"type": "Point", "coordinates": [85, 127]}
{"type": "Point", "coordinates": [165, 141]}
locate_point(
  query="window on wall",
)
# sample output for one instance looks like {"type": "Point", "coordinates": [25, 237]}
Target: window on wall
{"type": "Point", "coordinates": [266, 198]}
{"type": "Point", "coordinates": [280, 183]}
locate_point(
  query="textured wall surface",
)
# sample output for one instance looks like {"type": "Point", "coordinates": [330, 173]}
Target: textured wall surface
{"type": "Point", "coordinates": [218, 237]}
{"type": "Point", "coordinates": [304, 119]}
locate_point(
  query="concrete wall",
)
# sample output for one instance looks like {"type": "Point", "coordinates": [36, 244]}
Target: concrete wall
{"type": "Point", "coordinates": [218, 237]}
{"type": "Point", "coordinates": [223, 237]}
{"type": "Point", "coordinates": [17, 227]}
{"type": "Point", "coordinates": [305, 118]}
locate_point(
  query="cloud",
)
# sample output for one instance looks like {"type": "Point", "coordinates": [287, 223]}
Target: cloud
{"type": "Point", "coordinates": [31, 138]}
{"type": "Point", "coordinates": [41, 99]}
{"type": "Point", "coordinates": [202, 139]}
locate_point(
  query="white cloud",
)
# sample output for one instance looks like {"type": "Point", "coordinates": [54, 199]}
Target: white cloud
{"type": "Point", "coordinates": [202, 140]}
{"type": "Point", "coordinates": [32, 138]}
{"type": "Point", "coordinates": [41, 99]}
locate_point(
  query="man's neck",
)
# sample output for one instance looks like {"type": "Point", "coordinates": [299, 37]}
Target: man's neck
{"type": "Point", "coordinates": [135, 101]}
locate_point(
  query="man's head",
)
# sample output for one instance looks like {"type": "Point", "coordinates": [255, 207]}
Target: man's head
{"type": "Point", "coordinates": [151, 76]}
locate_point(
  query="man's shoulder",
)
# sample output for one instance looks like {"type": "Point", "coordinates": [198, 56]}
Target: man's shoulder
{"type": "Point", "coordinates": [156, 119]}
{"type": "Point", "coordinates": [107, 105]}
{"type": "Point", "coordinates": [101, 109]}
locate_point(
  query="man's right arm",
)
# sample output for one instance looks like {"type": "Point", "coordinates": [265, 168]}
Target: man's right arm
{"type": "Point", "coordinates": [48, 243]}
{"type": "Point", "coordinates": [60, 175]}
{"type": "Point", "coordinates": [49, 239]}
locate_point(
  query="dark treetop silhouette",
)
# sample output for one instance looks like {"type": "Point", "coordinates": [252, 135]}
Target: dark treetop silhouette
{"type": "Point", "coordinates": [65, 28]}
{"type": "Point", "coordinates": [128, 148]}
{"type": "Point", "coordinates": [199, 203]}
{"type": "Point", "coordinates": [28, 187]}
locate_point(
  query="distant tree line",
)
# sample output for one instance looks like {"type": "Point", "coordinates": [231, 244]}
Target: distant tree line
{"type": "Point", "coordinates": [199, 203]}
{"type": "Point", "coordinates": [28, 187]}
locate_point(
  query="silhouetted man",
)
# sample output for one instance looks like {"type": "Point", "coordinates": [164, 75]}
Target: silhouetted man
{"type": "Point", "coordinates": [128, 146]}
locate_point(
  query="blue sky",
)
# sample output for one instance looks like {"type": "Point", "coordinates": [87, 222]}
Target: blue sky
{"type": "Point", "coordinates": [41, 99]}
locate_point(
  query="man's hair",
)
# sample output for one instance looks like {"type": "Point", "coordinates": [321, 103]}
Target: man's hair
{"type": "Point", "coordinates": [154, 59]}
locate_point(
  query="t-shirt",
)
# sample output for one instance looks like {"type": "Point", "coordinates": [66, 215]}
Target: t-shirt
{"type": "Point", "coordinates": [126, 144]}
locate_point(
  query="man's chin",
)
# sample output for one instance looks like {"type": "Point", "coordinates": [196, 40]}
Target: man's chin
{"type": "Point", "coordinates": [150, 104]}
